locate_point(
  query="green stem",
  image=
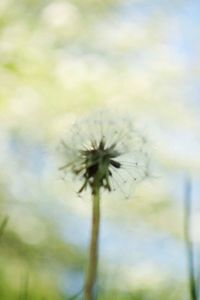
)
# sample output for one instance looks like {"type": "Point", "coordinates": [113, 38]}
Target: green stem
{"type": "Point", "coordinates": [188, 242]}
{"type": "Point", "coordinates": [91, 278]}
{"type": "Point", "coordinates": [2, 226]}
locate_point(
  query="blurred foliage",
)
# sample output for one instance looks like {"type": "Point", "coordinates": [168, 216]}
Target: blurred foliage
{"type": "Point", "coordinates": [59, 60]}
{"type": "Point", "coordinates": [41, 264]}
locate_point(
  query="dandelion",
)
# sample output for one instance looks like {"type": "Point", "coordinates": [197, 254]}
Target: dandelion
{"type": "Point", "coordinates": [106, 153]}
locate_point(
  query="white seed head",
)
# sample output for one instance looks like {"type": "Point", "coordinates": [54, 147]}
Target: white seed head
{"type": "Point", "coordinates": [105, 151]}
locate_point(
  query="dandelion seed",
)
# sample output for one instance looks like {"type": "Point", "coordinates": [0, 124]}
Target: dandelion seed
{"type": "Point", "coordinates": [101, 147]}
{"type": "Point", "coordinates": [108, 154]}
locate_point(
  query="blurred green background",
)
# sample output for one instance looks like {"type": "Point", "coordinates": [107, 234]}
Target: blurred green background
{"type": "Point", "coordinates": [60, 60]}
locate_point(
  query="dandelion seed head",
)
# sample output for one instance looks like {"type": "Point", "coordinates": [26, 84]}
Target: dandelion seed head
{"type": "Point", "coordinates": [105, 151]}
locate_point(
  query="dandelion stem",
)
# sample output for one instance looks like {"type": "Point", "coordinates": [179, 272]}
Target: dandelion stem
{"type": "Point", "coordinates": [91, 278]}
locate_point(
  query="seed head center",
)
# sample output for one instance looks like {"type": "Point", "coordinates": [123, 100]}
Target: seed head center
{"type": "Point", "coordinates": [98, 162]}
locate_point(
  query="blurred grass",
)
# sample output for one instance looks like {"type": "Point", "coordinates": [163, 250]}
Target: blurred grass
{"type": "Point", "coordinates": [3, 226]}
